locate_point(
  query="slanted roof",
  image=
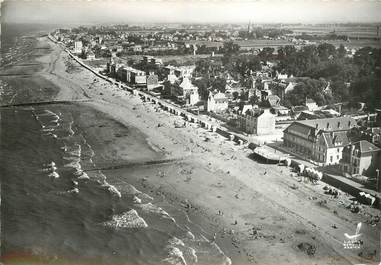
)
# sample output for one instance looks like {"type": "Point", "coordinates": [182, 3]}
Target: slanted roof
{"type": "Point", "coordinates": [299, 108]}
{"type": "Point", "coordinates": [330, 124]}
{"type": "Point", "coordinates": [219, 97]}
{"type": "Point", "coordinates": [366, 146]}
{"type": "Point", "coordinates": [376, 130]}
{"type": "Point", "coordinates": [186, 84]}
{"type": "Point", "coordinates": [309, 101]}
{"type": "Point", "coordinates": [273, 100]}
{"type": "Point", "coordinates": [298, 128]}
{"type": "Point", "coordinates": [336, 139]}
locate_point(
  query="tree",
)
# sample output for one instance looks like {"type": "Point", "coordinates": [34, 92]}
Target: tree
{"type": "Point", "coordinates": [309, 88]}
{"type": "Point", "coordinates": [326, 50]}
{"type": "Point", "coordinates": [266, 53]}
{"type": "Point", "coordinates": [219, 84]}
{"type": "Point", "coordinates": [367, 89]}
{"type": "Point", "coordinates": [203, 87]}
{"type": "Point", "coordinates": [230, 48]}
{"type": "Point", "coordinates": [340, 91]}
{"type": "Point", "coordinates": [341, 52]}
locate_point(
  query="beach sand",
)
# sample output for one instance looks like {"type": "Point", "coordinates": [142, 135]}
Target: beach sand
{"type": "Point", "coordinates": [250, 207]}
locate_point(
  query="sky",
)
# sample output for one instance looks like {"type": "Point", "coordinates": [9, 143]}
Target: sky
{"type": "Point", "coordinates": [191, 11]}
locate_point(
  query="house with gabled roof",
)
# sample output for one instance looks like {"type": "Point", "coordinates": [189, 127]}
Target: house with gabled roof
{"type": "Point", "coordinates": [217, 102]}
{"type": "Point", "coordinates": [257, 121]}
{"type": "Point", "coordinates": [360, 158]}
{"type": "Point", "coordinates": [311, 104]}
{"type": "Point", "coordinates": [321, 140]}
{"type": "Point", "coordinates": [185, 91]}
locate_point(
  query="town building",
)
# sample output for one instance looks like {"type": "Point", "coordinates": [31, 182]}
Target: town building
{"type": "Point", "coordinates": [121, 74]}
{"type": "Point", "coordinates": [311, 104]}
{"type": "Point", "coordinates": [372, 135]}
{"type": "Point", "coordinates": [78, 47]}
{"type": "Point", "coordinates": [273, 100]}
{"type": "Point", "coordinates": [180, 71]}
{"type": "Point", "coordinates": [321, 140]}
{"type": "Point", "coordinates": [360, 158]}
{"type": "Point", "coordinates": [318, 114]}
{"type": "Point", "coordinates": [281, 110]}
{"type": "Point", "coordinates": [281, 76]}
{"type": "Point", "coordinates": [137, 48]}
{"type": "Point", "coordinates": [282, 88]}
{"type": "Point", "coordinates": [217, 102]}
{"type": "Point", "coordinates": [152, 60]}
{"type": "Point", "coordinates": [185, 91]}
{"type": "Point", "coordinates": [136, 77]}
{"type": "Point", "coordinates": [90, 56]}
{"type": "Point", "coordinates": [152, 81]}
{"type": "Point", "coordinates": [258, 122]}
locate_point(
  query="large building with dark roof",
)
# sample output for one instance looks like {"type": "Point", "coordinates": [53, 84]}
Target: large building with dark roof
{"type": "Point", "coordinates": [360, 158]}
{"type": "Point", "coordinates": [321, 140]}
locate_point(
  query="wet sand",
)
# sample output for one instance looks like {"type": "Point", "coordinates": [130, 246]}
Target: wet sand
{"type": "Point", "coordinates": [257, 218]}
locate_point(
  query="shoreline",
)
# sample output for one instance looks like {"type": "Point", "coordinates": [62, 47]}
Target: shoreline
{"type": "Point", "coordinates": [219, 180]}
{"type": "Point", "coordinates": [116, 102]}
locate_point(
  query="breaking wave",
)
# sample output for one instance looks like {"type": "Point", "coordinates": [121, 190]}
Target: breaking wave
{"type": "Point", "coordinates": [129, 219]}
{"type": "Point", "coordinates": [153, 209]}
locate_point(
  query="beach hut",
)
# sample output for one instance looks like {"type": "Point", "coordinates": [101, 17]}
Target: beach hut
{"type": "Point", "coordinates": [287, 162]}
{"type": "Point", "coordinates": [301, 168]}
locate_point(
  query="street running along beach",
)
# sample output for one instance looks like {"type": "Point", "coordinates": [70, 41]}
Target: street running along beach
{"type": "Point", "coordinates": [93, 179]}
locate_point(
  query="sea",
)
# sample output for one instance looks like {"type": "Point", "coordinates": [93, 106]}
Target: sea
{"type": "Point", "coordinates": [56, 206]}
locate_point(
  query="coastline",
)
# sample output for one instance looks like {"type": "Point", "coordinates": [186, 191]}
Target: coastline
{"type": "Point", "coordinates": [213, 178]}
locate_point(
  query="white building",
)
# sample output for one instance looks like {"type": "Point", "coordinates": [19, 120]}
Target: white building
{"type": "Point", "coordinates": [185, 91]}
{"type": "Point", "coordinates": [217, 102]}
{"type": "Point", "coordinates": [311, 104]}
{"type": "Point", "coordinates": [78, 46]}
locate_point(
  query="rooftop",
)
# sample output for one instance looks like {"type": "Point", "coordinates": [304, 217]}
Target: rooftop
{"type": "Point", "coordinates": [330, 124]}
{"type": "Point", "coordinates": [365, 146]}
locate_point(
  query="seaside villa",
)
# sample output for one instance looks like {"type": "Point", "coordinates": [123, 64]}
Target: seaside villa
{"type": "Point", "coordinates": [321, 140]}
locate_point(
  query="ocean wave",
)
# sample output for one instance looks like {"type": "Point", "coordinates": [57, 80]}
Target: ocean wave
{"type": "Point", "coordinates": [130, 189]}
{"type": "Point", "coordinates": [190, 235]}
{"type": "Point", "coordinates": [75, 150]}
{"type": "Point", "coordinates": [129, 219]}
{"type": "Point", "coordinates": [71, 132]}
{"type": "Point", "coordinates": [179, 253]}
{"type": "Point", "coordinates": [75, 163]}
{"type": "Point", "coordinates": [175, 256]}
{"type": "Point", "coordinates": [111, 189]}
{"type": "Point", "coordinates": [47, 130]}
{"type": "Point", "coordinates": [54, 175]}
{"type": "Point", "coordinates": [151, 208]}
{"type": "Point", "coordinates": [90, 151]}
{"type": "Point", "coordinates": [81, 175]}
{"type": "Point", "coordinates": [174, 241]}
{"type": "Point", "coordinates": [73, 190]}
{"type": "Point", "coordinates": [49, 169]}
{"type": "Point", "coordinates": [136, 200]}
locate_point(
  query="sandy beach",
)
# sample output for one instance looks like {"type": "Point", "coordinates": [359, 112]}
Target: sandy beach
{"type": "Point", "coordinates": [258, 213]}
